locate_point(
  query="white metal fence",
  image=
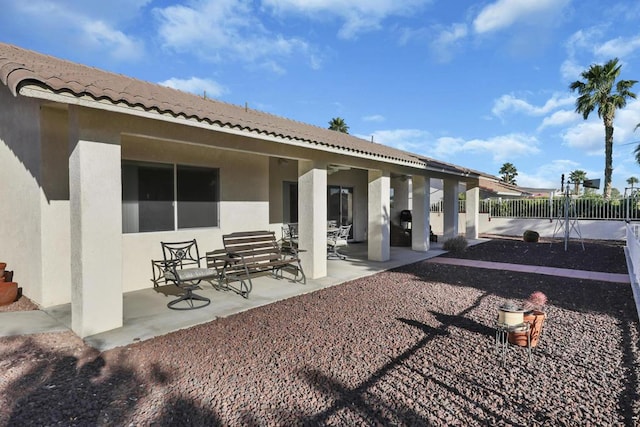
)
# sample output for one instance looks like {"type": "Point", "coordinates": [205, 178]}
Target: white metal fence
{"type": "Point", "coordinates": [622, 209]}
{"type": "Point", "coordinates": [438, 207]}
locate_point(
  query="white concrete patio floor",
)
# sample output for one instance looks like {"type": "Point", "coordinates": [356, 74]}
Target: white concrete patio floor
{"type": "Point", "coordinates": [146, 314]}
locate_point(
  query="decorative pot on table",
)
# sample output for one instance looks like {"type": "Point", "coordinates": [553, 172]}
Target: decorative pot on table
{"type": "Point", "coordinates": [510, 316]}
{"type": "Point", "coordinates": [8, 292]}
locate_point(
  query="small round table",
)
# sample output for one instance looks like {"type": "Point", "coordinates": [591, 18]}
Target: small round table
{"type": "Point", "coordinates": [502, 338]}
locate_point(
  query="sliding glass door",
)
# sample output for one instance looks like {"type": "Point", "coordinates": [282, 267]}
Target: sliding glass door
{"type": "Point", "coordinates": [340, 205]}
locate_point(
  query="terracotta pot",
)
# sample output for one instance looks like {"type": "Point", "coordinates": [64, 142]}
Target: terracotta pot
{"type": "Point", "coordinates": [535, 318]}
{"type": "Point", "coordinates": [8, 292]}
{"type": "Point", "coordinates": [3, 265]}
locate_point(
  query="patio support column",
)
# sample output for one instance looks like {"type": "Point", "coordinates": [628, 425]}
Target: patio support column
{"type": "Point", "coordinates": [312, 217]}
{"type": "Point", "coordinates": [473, 212]}
{"type": "Point", "coordinates": [450, 209]}
{"type": "Point", "coordinates": [420, 214]}
{"type": "Point", "coordinates": [378, 235]}
{"type": "Point", "coordinates": [95, 199]}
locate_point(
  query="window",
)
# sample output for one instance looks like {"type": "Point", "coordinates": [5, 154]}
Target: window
{"type": "Point", "coordinates": [162, 197]}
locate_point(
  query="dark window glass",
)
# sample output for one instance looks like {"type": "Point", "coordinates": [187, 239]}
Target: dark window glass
{"type": "Point", "coordinates": [197, 197]}
{"type": "Point", "coordinates": [149, 202]}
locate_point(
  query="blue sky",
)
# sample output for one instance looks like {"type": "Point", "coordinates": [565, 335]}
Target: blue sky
{"type": "Point", "coordinates": [477, 84]}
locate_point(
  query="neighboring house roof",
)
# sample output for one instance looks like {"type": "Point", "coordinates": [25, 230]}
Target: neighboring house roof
{"type": "Point", "coordinates": [495, 187]}
{"type": "Point", "coordinates": [20, 68]}
{"type": "Point", "coordinates": [540, 192]}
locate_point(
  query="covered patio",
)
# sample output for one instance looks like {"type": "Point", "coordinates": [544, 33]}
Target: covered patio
{"type": "Point", "coordinates": [146, 314]}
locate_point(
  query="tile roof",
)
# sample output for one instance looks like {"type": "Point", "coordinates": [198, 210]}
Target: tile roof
{"type": "Point", "coordinates": [20, 67]}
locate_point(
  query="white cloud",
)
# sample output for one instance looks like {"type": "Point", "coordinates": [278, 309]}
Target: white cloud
{"type": "Point", "coordinates": [227, 29]}
{"type": "Point", "coordinates": [501, 148]}
{"type": "Point", "coordinates": [548, 174]}
{"type": "Point", "coordinates": [570, 70]}
{"type": "Point", "coordinates": [414, 140]}
{"type": "Point", "coordinates": [587, 137]}
{"type": "Point", "coordinates": [90, 26]}
{"type": "Point", "coordinates": [445, 43]}
{"type": "Point", "coordinates": [119, 45]}
{"type": "Point", "coordinates": [359, 16]}
{"type": "Point", "coordinates": [196, 85]}
{"type": "Point", "coordinates": [374, 118]}
{"type": "Point", "coordinates": [406, 34]}
{"type": "Point", "coordinates": [618, 47]}
{"type": "Point", "coordinates": [581, 47]}
{"type": "Point", "coordinates": [505, 13]}
{"type": "Point", "coordinates": [510, 103]}
{"type": "Point", "coordinates": [560, 118]}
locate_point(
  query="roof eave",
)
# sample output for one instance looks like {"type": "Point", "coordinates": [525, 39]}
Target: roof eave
{"type": "Point", "coordinates": [37, 91]}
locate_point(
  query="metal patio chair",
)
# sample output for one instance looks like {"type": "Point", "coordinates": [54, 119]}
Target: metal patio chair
{"type": "Point", "coordinates": [337, 239]}
{"type": "Point", "coordinates": [182, 267]}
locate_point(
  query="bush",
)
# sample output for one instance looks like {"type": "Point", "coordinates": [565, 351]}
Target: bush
{"type": "Point", "coordinates": [456, 244]}
{"type": "Point", "coordinates": [531, 236]}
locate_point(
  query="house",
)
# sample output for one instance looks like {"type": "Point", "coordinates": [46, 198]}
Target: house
{"type": "Point", "coordinates": [98, 168]}
{"type": "Point", "coordinates": [494, 187]}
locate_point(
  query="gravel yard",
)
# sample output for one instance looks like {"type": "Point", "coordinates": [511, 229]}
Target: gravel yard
{"type": "Point", "coordinates": [412, 346]}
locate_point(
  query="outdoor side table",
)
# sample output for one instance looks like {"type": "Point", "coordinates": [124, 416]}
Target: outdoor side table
{"type": "Point", "coordinates": [502, 338]}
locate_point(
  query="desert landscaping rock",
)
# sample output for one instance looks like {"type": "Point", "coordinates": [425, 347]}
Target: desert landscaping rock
{"type": "Point", "coordinates": [413, 346]}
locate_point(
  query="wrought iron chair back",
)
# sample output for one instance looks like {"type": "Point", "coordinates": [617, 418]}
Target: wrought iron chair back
{"type": "Point", "coordinates": [181, 254]}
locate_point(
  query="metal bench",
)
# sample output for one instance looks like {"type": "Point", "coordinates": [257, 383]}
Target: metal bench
{"type": "Point", "coordinates": [250, 253]}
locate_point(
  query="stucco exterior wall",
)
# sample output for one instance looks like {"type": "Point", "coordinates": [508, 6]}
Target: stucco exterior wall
{"type": "Point", "coordinates": [244, 202]}
{"type": "Point", "coordinates": [589, 229]}
{"type": "Point", "coordinates": [20, 193]}
{"type": "Point", "coordinates": [280, 170]}
{"type": "Point", "coordinates": [437, 223]}
{"type": "Point", "coordinates": [55, 220]}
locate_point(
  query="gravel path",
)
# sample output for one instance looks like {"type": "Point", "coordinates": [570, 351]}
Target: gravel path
{"type": "Point", "coordinates": [412, 346]}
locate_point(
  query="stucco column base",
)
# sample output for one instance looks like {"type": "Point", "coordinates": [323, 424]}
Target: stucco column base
{"type": "Point", "coordinates": [420, 215]}
{"type": "Point", "coordinates": [312, 218]}
{"type": "Point", "coordinates": [378, 236]}
{"type": "Point", "coordinates": [96, 237]}
{"type": "Point", "coordinates": [450, 209]}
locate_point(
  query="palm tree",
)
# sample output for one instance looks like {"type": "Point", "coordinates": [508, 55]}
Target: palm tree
{"type": "Point", "coordinates": [509, 173]}
{"type": "Point", "coordinates": [636, 152]}
{"type": "Point", "coordinates": [576, 177]}
{"type": "Point", "coordinates": [596, 91]}
{"type": "Point", "coordinates": [338, 124]}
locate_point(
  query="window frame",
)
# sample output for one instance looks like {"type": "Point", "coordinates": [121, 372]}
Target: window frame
{"type": "Point", "coordinates": [175, 202]}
